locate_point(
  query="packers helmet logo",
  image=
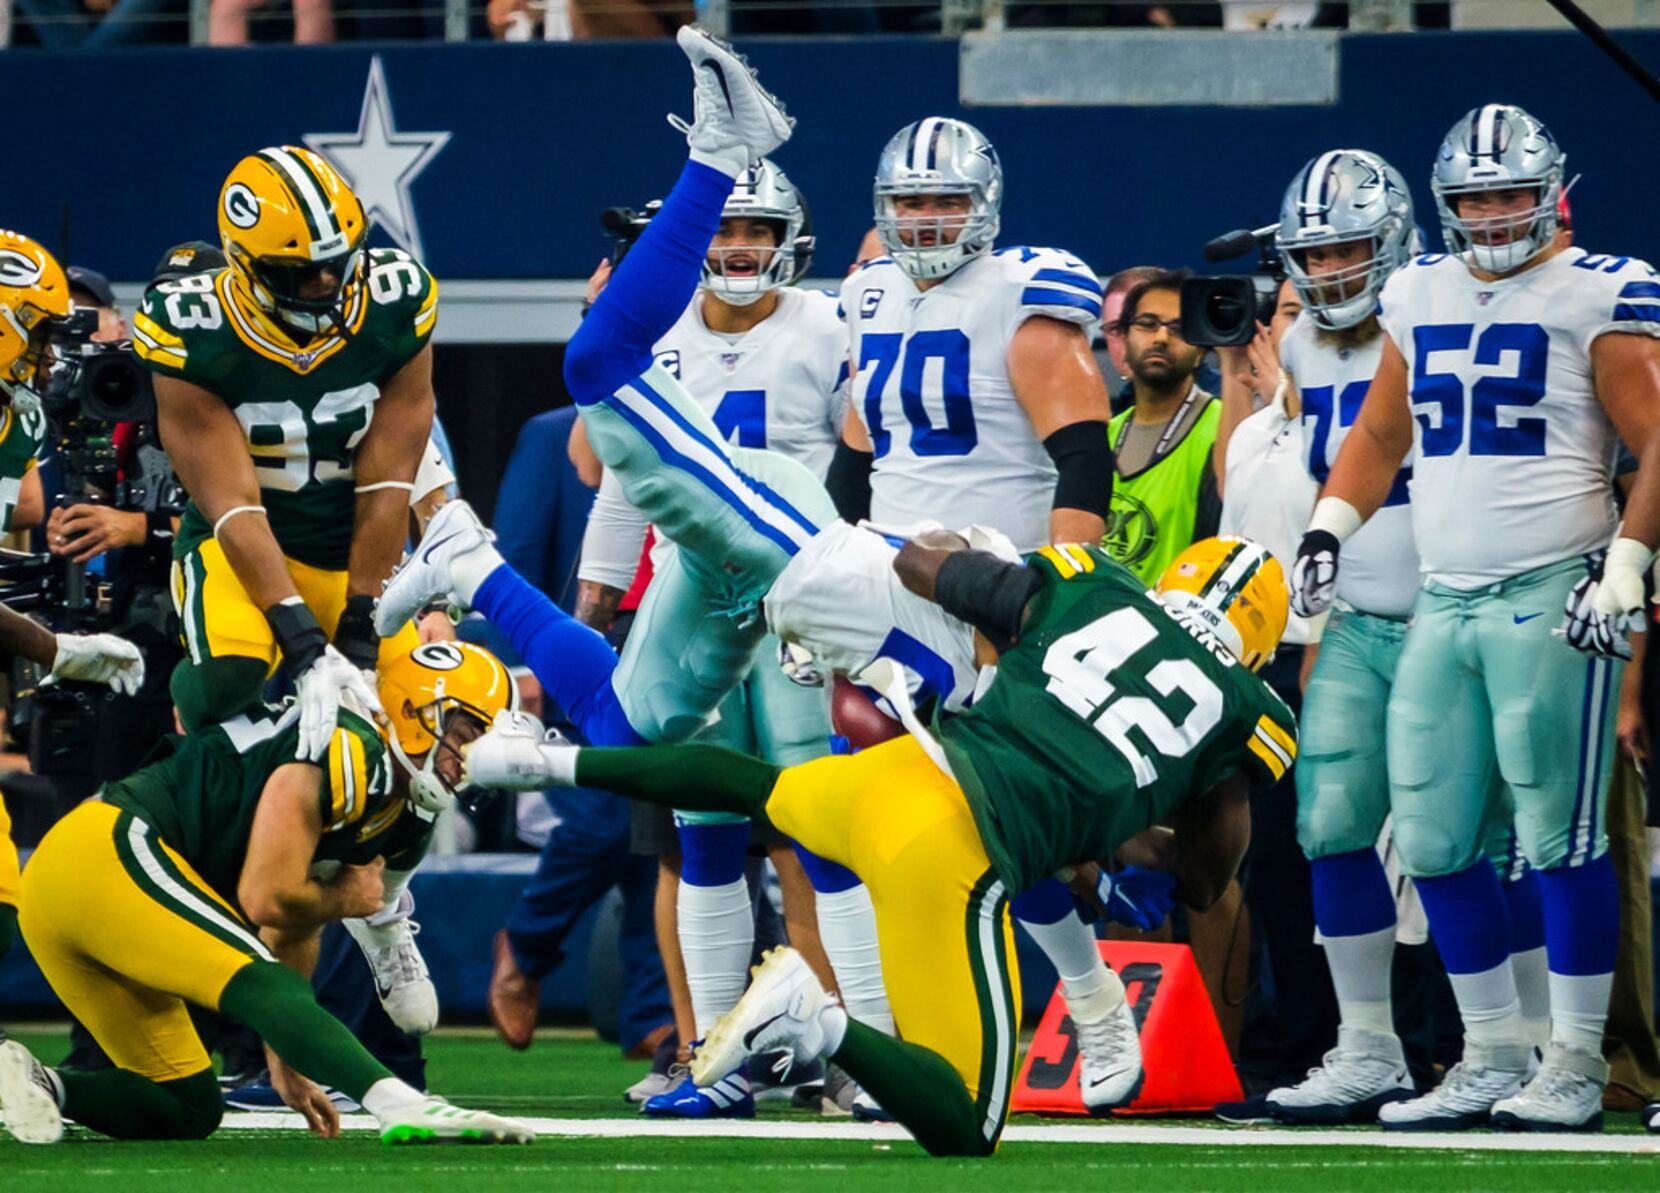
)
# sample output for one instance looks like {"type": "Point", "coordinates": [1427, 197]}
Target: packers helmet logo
{"type": "Point", "coordinates": [438, 656]}
{"type": "Point", "coordinates": [1132, 530]}
{"type": "Point", "coordinates": [241, 206]}
{"type": "Point", "coordinates": [19, 269]}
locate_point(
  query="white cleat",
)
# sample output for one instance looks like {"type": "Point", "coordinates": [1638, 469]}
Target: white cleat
{"type": "Point", "coordinates": [779, 1012]}
{"type": "Point", "coordinates": [433, 1120]}
{"type": "Point", "coordinates": [401, 979]}
{"type": "Point", "coordinates": [1466, 1095]}
{"type": "Point", "coordinates": [1110, 1074]}
{"type": "Point", "coordinates": [27, 1100]}
{"type": "Point", "coordinates": [1366, 1071]}
{"type": "Point", "coordinates": [1651, 1117]}
{"type": "Point", "coordinates": [455, 535]}
{"type": "Point", "coordinates": [1565, 1095]}
{"type": "Point", "coordinates": [730, 108]}
{"type": "Point", "coordinates": [517, 754]}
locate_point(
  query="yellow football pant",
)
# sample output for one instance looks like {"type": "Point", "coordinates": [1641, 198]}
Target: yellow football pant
{"type": "Point", "coordinates": [8, 859]}
{"type": "Point", "coordinates": [218, 618]}
{"type": "Point", "coordinates": [893, 818]}
{"type": "Point", "coordinates": [126, 932]}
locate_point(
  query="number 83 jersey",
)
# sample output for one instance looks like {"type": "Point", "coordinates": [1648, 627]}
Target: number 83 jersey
{"type": "Point", "coordinates": [931, 385]}
{"type": "Point", "coordinates": [1512, 452]}
{"type": "Point", "coordinates": [303, 408]}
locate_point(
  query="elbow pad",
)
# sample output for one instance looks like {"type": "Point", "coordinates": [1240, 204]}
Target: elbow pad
{"type": "Point", "coordinates": [987, 592]}
{"type": "Point", "coordinates": [1082, 452]}
{"type": "Point", "coordinates": [848, 482]}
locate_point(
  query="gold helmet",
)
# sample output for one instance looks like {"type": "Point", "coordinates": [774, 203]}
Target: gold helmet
{"type": "Point", "coordinates": [34, 298]}
{"type": "Point", "coordinates": [1236, 588]}
{"type": "Point", "coordinates": [293, 233]}
{"type": "Point", "coordinates": [421, 691]}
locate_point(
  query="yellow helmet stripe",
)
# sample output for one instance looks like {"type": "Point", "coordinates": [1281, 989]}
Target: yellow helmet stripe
{"type": "Point", "coordinates": [308, 194]}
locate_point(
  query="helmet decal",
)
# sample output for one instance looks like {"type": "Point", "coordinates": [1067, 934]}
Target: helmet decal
{"type": "Point", "coordinates": [241, 206]}
{"type": "Point", "coordinates": [440, 656]}
{"type": "Point", "coordinates": [18, 269]}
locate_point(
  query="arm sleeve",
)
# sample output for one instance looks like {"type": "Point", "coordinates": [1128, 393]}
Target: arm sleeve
{"type": "Point", "coordinates": [987, 592]}
{"type": "Point", "coordinates": [848, 482]}
{"type": "Point", "coordinates": [615, 536]}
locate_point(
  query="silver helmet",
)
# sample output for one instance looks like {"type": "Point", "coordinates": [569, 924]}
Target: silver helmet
{"type": "Point", "coordinates": [763, 192]}
{"type": "Point", "coordinates": [1345, 195]}
{"type": "Point", "coordinates": [935, 156]}
{"type": "Point", "coordinates": [1499, 147]}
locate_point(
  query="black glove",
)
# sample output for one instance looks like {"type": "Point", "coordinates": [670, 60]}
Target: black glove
{"type": "Point", "coordinates": [355, 636]}
{"type": "Point", "coordinates": [300, 639]}
{"type": "Point", "coordinates": [1314, 575]}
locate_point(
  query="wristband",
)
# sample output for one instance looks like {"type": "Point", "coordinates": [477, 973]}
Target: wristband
{"type": "Point", "coordinates": [355, 635]}
{"type": "Point", "coordinates": [1336, 517]}
{"type": "Point", "coordinates": [300, 639]}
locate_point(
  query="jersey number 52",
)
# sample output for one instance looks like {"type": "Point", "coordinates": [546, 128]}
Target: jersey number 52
{"type": "Point", "coordinates": [1496, 426]}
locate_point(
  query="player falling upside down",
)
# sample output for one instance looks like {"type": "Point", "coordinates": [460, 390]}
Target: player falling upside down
{"type": "Point", "coordinates": [1114, 709]}
{"type": "Point", "coordinates": [207, 877]}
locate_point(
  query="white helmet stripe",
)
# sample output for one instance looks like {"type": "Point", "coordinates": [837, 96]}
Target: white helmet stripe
{"type": "Point", "coordinates": [1245, 561]}
{"type": "Point", "coordinates": [1314, 198]}
{"type": "Point", "coordinates": [305, 188]}
{"type": "Point", "coordinates": [1487, 130]}
{"type": "Point", "coordinates": [920, 143]}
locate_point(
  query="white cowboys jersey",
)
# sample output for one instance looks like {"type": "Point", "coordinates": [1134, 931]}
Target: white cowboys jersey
{"type": "Point", "coordinates": [1379, 572]}
{"type": "Point", "coordinates": [841, 600]}
{"type": "Point", "coordinates": [781, 385]}
{"type": "Point", "coordinates": [931, 385]}
{"type": "Point", "coordinates": [1512, 453]}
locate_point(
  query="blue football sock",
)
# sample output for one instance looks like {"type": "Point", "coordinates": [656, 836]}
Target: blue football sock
{"type": "Point", "coordinates": [1470, 924]}
{"type": "Point", "coordinates": [1049, 902]}
{"type": "Point", "coordinates": [571, 660]}
{"type": "Point", "coordinates": [1524, 900]}
{"type": "Point", "coordinates": [713, 854]}
{"type": "Point", "coordinates": [650, 289]}
{"type": "Point", "coordinates": [1582, 935]}
{"type": "Point", "coordinates": [1351, 894]}
{"type": "Point", "coordinates": [827, 877]}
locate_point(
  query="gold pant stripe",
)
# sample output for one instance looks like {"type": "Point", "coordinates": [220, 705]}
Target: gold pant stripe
{"type": "Point", "coordinates": [8, 859]}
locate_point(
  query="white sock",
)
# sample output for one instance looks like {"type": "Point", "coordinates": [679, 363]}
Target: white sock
{"type": "Point", "coordinates": [1092, 991]}
{"type": "Point", "coordinates": [1360, 968]}
{"type": "Point", "coordinates": [1533, 988]}
{"type": "Point", "coordinates": [847, 928]}
{"type": "Point", "coordinates": [717, 934]}
{"type": "Point", "coordinates": [1487, 1001]}
{"type": "Point", "coordinates": [833, 1020]}
{"type": "Point", "coordinates": [559, 764]}
{"type": "Point", "coordinates": [389, 1095]}
{"type": "Point", "coordinates": [399, 904]}
{"type": "Point", "coordinates": [471, 568]}
{"type": "Point", "coordinates": [1579, 1010]}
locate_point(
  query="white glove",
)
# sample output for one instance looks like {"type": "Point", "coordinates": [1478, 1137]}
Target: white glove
{"type": "Point", "coordinates": [519, 755]}
{"type": "Point", "coordinates": [99, 658]}
{"type": "Point", "coordinates": [1621, 592]}
{"type": "Point", "coordinates": [1586, 629]}
{"type": "Point", "coordinates": [1314, 574]}
{"type": "Point", "coordinates": [318, 693]}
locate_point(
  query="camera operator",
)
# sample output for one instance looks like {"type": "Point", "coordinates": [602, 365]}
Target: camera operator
{"type": "Point", "coordinates": [130, 526]}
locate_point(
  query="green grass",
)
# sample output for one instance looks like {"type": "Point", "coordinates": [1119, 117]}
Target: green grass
{"type": "Point", "coordinates": [583, 1078]}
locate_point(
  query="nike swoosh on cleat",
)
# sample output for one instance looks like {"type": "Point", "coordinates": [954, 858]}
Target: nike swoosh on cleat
{"type": "Point", "coordinates": [720, 77]}
{"type": "Point", "coordinates": [426, 553]}
{"type": "Point", "coordinates": [1519, 618]}
{"type": "Point", "coordinates": [749, 1036]}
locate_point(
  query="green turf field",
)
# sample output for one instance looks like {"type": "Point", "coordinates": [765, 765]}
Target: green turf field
{"type": "Point", "coordinates": [579, 1078]}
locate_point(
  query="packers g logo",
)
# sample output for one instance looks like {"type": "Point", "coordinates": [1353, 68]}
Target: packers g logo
{"type": "Point", "coordinates": [1132, 530]}
{"type": "Point", "coordinates": [18, 269]}
{"type": "Point", "coordinates": [241, 206]}
{"type": "Point", "coordinates": [438, 656]}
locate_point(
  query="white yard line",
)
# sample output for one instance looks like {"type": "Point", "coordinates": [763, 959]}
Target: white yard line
{"type": "Point", "coordinates": [1116, 1133]}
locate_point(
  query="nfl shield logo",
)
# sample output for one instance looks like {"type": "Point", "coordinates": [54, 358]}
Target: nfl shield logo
{"type": "Point", "coordinates": [730, 360]}
{"type": "Point", "coordinates": [1484, 297]}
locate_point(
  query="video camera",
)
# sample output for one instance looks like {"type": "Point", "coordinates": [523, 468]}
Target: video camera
{"type": "Point", "coordinates": [1223, 310]}
{"type": "Point", "coordinates": [624, 225]}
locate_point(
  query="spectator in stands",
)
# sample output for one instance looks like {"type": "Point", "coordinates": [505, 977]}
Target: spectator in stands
{"type": "Point", "coordinates": [103, 24]}
{"type": "Point", "coordinates": [228, 21]}
{"type": "Point", "coordinates": [567, 20]}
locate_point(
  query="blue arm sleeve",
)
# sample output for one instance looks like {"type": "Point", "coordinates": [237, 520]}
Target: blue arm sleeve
{"type": "Point", "coordinates": [571, 660]}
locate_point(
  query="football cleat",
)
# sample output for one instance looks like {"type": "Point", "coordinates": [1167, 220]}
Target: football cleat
{"type": "Point", "coordinates": [729, 1097]}
{"type": "Point", "coordinates": [1564, 1095]}
{"type": "Point", "coordinates": [1110, 1073]}
{"type": "Point", "coordinates": [1248, 1112]}
{"type": "Point", "coordinates": [1466, 1095]}
{"type": "Point", "coordinates": [452, 559]}
{"type": "Point", "coordinates": [433, 1120]}
{"type": "Point", "coordinates": [779, 1012]}
{"type": "Point", "coordinates": [654, 1083]}
{"type": "Point", "coordinates": [1365, 1071]}
{"type": "Point", "coordinates": [1651, 1117]}
{"type": "Point", "coordinates": [27, 1098]}
{"type": "Point", "coordinates": [730, 108]}
{"type": "Point", "coordinates": [867, 1110]}
{"type": "Point", "coordinates": [402, 982]}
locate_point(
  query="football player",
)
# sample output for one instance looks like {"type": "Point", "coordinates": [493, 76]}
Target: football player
{"type": "Point", "coordinates": [1508, 365]}
{"type": "Point", "coordinates": [294, 395]}
{"type": "Point", "coordinates": [767, 362]}
{"type": "Point", "coordinates": [207, 877]}
{"type": "Point", "coordinates": [1346, 226]}
{"type": "Point", "coordinates": [1082, 744]}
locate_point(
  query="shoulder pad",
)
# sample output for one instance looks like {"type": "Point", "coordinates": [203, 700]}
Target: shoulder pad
{"type": "Point", "coordinates": [1053, 283]}
{"type": "Point", "coordinates": [401, 285]}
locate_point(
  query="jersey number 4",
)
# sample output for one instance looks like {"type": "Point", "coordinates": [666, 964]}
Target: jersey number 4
{"type": "Point", "coordinates": [1080, 666]}
{"type": "Point", "coordinates": [1494, 401]}
{"type": "Point", "coordinates": [947, 350]}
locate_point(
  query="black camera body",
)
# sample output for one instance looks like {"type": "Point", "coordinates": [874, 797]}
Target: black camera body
{"type": "Point", "coordinates": [1224, 310]}
{"type": "Point", "coordinates": [624, 225]}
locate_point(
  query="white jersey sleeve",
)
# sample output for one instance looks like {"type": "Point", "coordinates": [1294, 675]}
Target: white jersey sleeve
{"type": "Point", "coordinates": [1380, 569]}
{"type": "Point", "coordinates": [614, 538]}
{"type": "Point", "coordinates": [841, 600]}
{"type": "Point", "coordinates": [931, 386]}
{"type": "Point", "coordinates": [1512, 451]}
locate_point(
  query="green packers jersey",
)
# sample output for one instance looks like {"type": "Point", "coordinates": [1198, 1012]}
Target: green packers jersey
{"type": "Point", "coordinates": [1108, 713]}
{"type": "Point", "coordinates": [201, 798]}
{"type": "Point", "coordinates": [303, 410]}
{"type": "Point", "coordinates": [21, 437]}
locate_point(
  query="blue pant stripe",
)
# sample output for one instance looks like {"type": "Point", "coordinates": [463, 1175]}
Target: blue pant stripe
{"type": "Point", "coordinates": [763, 491]}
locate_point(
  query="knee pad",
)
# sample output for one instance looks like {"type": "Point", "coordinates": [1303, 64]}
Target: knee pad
{"type": "Point", "coordinates": [1427, 849]}
{"type": "Point", "coordinates": [200, 1100]}
{"type": "Point", "coordinates": [1330, 822]}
